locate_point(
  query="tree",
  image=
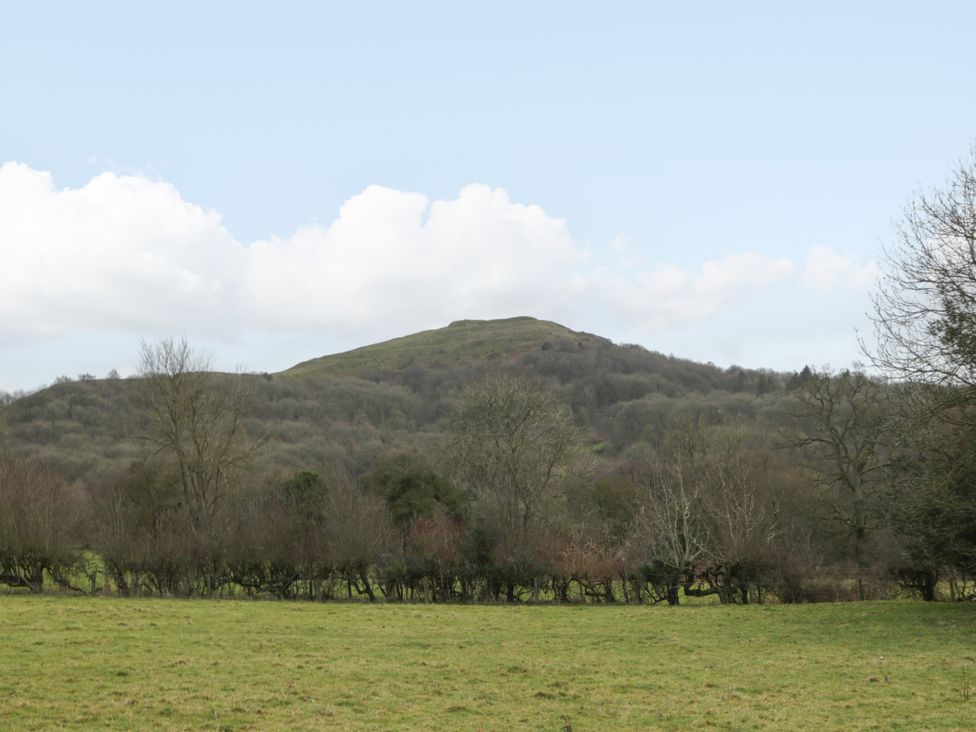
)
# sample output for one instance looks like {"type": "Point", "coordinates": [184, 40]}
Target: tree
{"type": "Point", "coordinates": [925, 308]}
{"type": "Point", "coordinates": [196, 424]}
{"type": "Point", "coordinates": [514, 443]}
{"type": "Point", "coordinates": [707, 516]}
{"type": "Point", "coordinates": [359, 533]}
{"type": "Point", "coordinates": [839, 425]}
{"type": "Point", "coordinates": [40, 519]}
{"type": "Point", "coordinates": [932, 504]}
{"type": "Point", "coordinates": [925, 330]}
{"type": "Point", "coordinates": [280, 543]}
{"type": "Point", "coordinates": [669, 527]}
{"type": "Point", "coordinates": [413, 489]}
{"type": "Point", "coordinates": [427, 510]}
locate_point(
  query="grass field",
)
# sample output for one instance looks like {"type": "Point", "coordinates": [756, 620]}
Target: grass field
{"type": "Point", "coordinates": [111, 663]}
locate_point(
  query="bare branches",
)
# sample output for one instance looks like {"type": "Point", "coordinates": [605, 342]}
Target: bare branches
{"type": "Point", "coordinates": [513, 440]}
{"type": "Point", "coordinates": [925, 309]}
{"type": "Point", "coordinates": [40, 516]}
{"type": "Point", "coordinates": [197, 423]}
{"type": "Point", "coordinates": [840, 425]}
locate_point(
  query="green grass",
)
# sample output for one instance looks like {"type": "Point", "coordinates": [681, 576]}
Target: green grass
{"type": "Point", "coordinates": [461, 342]}
{"type": "Point", "coordinates": [109, 663]}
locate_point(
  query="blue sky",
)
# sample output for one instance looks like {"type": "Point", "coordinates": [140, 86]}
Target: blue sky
{"type": "Point", "coordinates": [279, 182]}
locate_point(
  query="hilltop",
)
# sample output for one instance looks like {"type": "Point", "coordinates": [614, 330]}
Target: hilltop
{"type": "Point", "coordinates": [538, 348]}
{"type": "Point", "coordinates": [463, 342]}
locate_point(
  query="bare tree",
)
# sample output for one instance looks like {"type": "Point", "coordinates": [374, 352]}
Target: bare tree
{"type": "Point", "coordinates": [925, 309]}
{"type": "Point", "coordinates": [40, 519]}
{"type": "Point", "coordinates": [925, 328]}
{"type": "Point", "coordinates": [514, 445]}
{"type": "Point", "coordinates": [741, 511]}
{"type": "Point", "coordinates": [839, 425]}
{"type": "Point", "coordinates": [196, 423]}
{"type": "Point", "coordinates": [360, 532]}
{"type": "Point", "coordinates": [669, 529]}
{"type": "Point", "coordinates": [514, 441]}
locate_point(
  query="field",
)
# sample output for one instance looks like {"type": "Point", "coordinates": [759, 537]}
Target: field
{"type": "Point", "coordinates": [110, 663]}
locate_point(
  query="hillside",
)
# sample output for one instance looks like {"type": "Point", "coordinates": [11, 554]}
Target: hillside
{"type": "Point", "coordinates": [350, 407]}
{"type": "Point", "coordinates": [463, 342]}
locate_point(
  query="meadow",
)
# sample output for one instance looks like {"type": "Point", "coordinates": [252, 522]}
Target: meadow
{"type": "Point", "coordinates": [112, 663]}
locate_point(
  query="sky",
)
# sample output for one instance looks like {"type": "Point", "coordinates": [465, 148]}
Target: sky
{"type": "Point", "coordinates": [277, 182]}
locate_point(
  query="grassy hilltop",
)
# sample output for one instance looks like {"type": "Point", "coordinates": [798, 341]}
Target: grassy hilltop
{"type": "Point", "coordinates": [463, 342]}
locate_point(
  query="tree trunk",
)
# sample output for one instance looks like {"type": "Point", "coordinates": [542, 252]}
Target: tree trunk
{"type": "Point", "coordinates": [672, 596]}
{"type": "Point", "coordinates": [364, 576]}
{"type": "Point", "coordinates": [860, 534]}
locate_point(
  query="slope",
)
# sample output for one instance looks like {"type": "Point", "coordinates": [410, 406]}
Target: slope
{"type": "Point", "coordinates": [463, 342]}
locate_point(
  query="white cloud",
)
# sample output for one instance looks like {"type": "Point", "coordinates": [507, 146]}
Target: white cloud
{"type": "Point", "coordinates": [122, 252]}
{"type": "Point", "coordinates": [128, 254]}
{"type": "Point", "coordinates": [620, 244]}
{"type": "Point", "coordinates": [668, 296]}
{"type": "Point", "coordinates": [824, 269]}
{"type": "Point", "coordinates": [396, 257]}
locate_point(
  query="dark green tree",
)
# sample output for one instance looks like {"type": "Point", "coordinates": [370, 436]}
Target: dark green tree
{"type": "Point", "coordinates": [413, 489]}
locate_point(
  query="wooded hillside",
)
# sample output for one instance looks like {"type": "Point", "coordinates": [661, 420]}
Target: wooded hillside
{"type": "Point", "coordinates": [489, 460]}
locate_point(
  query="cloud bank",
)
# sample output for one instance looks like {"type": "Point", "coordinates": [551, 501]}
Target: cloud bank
{"type": "Point", "coordinates": [122, 252]}
{"type": "Point", "coordinates": [127, 253]}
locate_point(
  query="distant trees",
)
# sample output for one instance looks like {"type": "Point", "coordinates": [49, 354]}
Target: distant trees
{"type": "Point", "coordinates": [507, 505]}
{"type": "Point", "coordinates": [513, 442]}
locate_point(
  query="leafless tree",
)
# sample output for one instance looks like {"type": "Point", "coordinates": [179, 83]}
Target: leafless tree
{"type": "Point", "coordinates": [741, 510]}
{"type": "Point", "coordinates": [513, 442]}
{"type": "Point", "coordinates": [925, 308]}
{"type": "Point", "coordinates": [925, 328]}
{"type": "Point", "coordinates": [360, 532]}
{"type": "Point", "coordinates": [514, 446]}
{"type": "Point", "coordinates": [839, 424]}
{"type": "Point", "coordinates": [40, 518]}
{"type": "Point", "coordinates": [668, 527]}
{"type": "Point", "coordinates": [196, 423]}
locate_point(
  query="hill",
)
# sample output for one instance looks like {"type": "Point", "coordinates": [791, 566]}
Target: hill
{"type": "Point", "coordinates": [463, 342]}
{"type": "Point", "coordinates": [350, 407]}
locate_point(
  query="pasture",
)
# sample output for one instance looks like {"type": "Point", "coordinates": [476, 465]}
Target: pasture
{"type": "Point", "coordinates": [111, 663]}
